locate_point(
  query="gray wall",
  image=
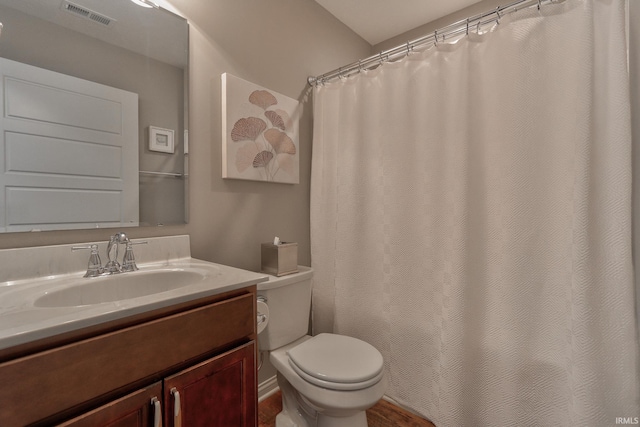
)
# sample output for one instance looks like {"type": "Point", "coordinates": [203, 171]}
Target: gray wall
{"type": "Point", "coordinates": [275, 44]}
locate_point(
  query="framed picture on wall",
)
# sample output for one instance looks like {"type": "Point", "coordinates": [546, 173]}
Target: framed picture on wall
{"type": "Point", "coordinates": [259, 133]}
{"type": "Point", "coordinates": [161, 140]}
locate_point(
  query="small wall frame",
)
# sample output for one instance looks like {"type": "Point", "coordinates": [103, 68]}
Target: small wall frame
{"type": "Point", "coordinates": [161, 140]}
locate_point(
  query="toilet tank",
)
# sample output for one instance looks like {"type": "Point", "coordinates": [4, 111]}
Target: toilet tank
{"type": "Point", "coordinates": [289, 301]}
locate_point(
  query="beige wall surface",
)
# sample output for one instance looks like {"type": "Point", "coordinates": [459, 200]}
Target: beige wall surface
{"type": "Point", "coordinates": [275, 44]}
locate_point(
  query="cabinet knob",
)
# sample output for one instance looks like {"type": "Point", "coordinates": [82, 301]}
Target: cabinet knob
{"type": "Point", "coordinates": [177, 415]}
{"type": "Point", "coordinates": [157, 412]}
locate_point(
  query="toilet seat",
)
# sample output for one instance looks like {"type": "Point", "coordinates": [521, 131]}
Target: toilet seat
{"type": "Point", "coordinates": [337, 362]}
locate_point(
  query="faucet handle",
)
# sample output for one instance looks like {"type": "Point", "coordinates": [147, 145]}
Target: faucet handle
{"type": "Point", "coordinates": [129, 260]}
{"type": "Point", "coordinates": [94, 267]}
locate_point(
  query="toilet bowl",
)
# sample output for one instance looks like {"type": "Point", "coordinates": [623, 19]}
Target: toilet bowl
{"type": "Point", "coordinates": [328, 380]}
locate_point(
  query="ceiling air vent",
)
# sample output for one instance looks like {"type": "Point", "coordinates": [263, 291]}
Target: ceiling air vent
{"type": "Point", "coordinates": [83, 12]}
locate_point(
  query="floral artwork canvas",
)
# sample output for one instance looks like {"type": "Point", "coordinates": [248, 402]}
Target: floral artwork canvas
{"type": "Point", "coordinates": [259, 133]}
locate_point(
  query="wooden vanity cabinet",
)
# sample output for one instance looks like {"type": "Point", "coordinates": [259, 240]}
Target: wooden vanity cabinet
{"type": "Point", "coordinates": [214, 393]}
{"type": "Point", "coordinates": [218, 392]}
{"type": "Point", "coordinates": [205, 351]}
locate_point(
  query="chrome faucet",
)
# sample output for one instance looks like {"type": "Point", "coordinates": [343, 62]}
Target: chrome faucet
{"type": "Point", "coordinates": [95, 269]}
{"type": "Point", "coordinates": [113, 266]}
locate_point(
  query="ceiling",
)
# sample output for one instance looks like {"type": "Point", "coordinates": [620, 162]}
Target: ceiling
{"type": "Point", "coordinates": [379, 20]}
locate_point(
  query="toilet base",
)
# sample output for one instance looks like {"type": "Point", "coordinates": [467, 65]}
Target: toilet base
{"type": "Point", "coordinates": [295, 413]}
{"type": "Point", "coordinates": [298, 412]}
{"type": "Point", "coordinates": [357, 420]}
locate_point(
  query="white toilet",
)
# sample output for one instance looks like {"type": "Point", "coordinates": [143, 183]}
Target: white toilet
{"type": "Point", "coordinates": [326, 381]}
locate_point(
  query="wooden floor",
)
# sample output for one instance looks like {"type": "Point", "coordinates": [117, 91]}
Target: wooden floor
{"type": "Point", "coordinates": [383, 414]}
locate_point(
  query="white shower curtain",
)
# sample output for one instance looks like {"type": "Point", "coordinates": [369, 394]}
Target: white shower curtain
{"type": "Point", "coordinates": [471, 218]}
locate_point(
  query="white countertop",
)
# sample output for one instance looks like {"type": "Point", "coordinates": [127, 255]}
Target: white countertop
{"type": "Point", "coordinates": [22, 321]}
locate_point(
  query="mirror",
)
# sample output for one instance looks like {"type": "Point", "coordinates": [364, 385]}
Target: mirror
{"type": "Point", "coordinates": [124, 46]}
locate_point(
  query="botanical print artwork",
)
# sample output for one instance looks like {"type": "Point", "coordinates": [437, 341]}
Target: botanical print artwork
{"type": "Point", "coordinates": [259, 133]}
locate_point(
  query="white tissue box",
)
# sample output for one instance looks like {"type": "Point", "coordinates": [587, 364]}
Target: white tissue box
{"type": "Point", "coordinates": [279, 260]}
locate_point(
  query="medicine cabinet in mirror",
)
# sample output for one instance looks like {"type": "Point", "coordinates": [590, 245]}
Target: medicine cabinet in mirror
{"type": "Point", "coordinates": [94, 115]}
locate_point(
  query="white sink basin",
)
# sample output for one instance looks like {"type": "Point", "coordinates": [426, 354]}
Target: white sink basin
{"type": "Point", "coordinates": [43, 293]}
{"type": "Point", "coordinates": [120, 287]}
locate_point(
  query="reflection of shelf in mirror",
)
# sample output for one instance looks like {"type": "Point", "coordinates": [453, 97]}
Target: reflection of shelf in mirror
{"type": "Point", "coordinates": [171, 174]}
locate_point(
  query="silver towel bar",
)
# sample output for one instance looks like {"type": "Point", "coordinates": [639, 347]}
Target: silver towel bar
{"type": "Point", "coordinates": [175, 175]}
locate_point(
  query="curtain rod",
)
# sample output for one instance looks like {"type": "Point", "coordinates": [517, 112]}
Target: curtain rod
{"type": "Point", "coordinates": [457, 28]}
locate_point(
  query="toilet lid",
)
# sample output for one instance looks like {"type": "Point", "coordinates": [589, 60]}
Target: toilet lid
{"type": "Point", "coordinates": [337, 362]}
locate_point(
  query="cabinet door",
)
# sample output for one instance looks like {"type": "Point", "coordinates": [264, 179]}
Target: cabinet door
{"type": "Point", "coordinates": [218, 392]}
{"type": "Point", "coordinates": [138, 409]}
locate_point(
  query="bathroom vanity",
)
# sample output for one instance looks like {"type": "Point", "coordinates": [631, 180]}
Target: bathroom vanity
{"type": "Point", "coordinates": [183, 356]}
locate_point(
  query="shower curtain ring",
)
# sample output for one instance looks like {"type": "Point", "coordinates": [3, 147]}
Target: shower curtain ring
{"type": "Point", "coordinates": [435, 38]}
{"type": "Point", "coordinates": [381, 59]}
{"type": "Point", "coordinates": [478, 26]}
{"type": "Point", "coordinates": [539, 3]}
{"type": "Point", "coordinates": [467, 32]}
{"type": "Point", "coordinates": [359, 65]}
{"type": "Point", "coordinates": [498, 15]}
